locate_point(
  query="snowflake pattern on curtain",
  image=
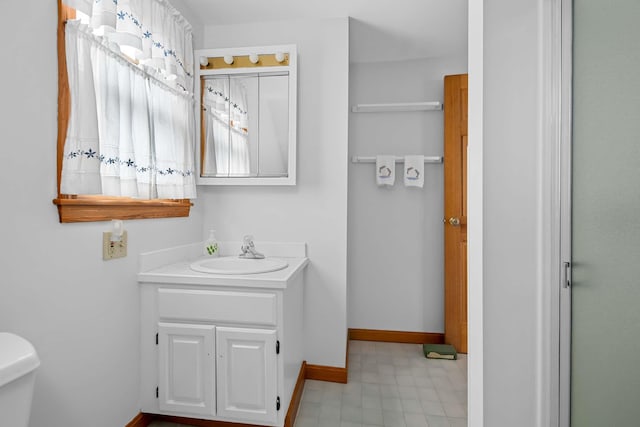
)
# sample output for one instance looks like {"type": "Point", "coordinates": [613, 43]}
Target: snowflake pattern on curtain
{"type": "Point", "coordinates": [122, 15]}
{"type": "Point", "coordinates": [226, 99]}
{"type": "Point", "coordinates": [92, 154]}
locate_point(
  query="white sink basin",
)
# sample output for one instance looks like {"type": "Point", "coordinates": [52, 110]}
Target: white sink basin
{"type": "Point", "coordinates": [235, 265]}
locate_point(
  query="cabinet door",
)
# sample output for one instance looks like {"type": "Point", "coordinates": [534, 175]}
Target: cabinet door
{"type": "Point", "coordinates": [247, 385]}
{"type": "Point", "coordinates": [186, 374]}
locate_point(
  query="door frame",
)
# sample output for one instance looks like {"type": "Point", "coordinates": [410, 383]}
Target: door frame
{"type": "Point", "coordinates": [475, 275]}
{"type": "Point", "coordinates": [555, 227]}
{"type": "Point", "coordinates": [554, 293]}
{"type": "Point", "coordinates": [554, 123]}
{"type": "Point", "coordinates": [563, 327]}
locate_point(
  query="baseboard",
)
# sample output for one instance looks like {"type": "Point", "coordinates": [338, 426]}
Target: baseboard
{"type": "Point", "coordinates": [396, 336]}
{"type": "Point", "coordinates": [290, 418]}
{"type": "Point", "coordinates": [140, 420]}
{"type": "Point", "coordinates": [199, 423]}
{"type": "Point", "coordinates": [326, 373]}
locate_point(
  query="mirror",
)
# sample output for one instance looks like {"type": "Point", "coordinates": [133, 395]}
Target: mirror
{"type": "Point", "coordinates": [247, 116]}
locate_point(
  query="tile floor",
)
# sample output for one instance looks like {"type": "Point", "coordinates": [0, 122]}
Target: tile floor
{"type": "Point", "coordinates": [391, 385]}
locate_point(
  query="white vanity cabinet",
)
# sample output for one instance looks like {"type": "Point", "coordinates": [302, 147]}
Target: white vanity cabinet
{"type": "Point", "coordinates": [186, 360]}
{"type": "Point", "coordinates": [247, 366]}
{"type": "Point", "coordinates": [245, 360]}
{"type": "Point", "coordinates": [219, 351]}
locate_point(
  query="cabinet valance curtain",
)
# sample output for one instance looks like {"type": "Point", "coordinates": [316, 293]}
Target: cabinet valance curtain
{"type": "Point", "coordinates": [130, 131]}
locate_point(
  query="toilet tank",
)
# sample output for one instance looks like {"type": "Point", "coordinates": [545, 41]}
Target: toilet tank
{"type": "Point", "coordinates": [18, 363]}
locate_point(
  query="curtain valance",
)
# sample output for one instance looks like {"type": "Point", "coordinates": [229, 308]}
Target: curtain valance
{"type": "Point", "coordinates": [151, 32]}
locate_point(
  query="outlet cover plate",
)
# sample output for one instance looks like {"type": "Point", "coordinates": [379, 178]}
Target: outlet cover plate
{"type": "Point", "coordinates": [111, 250]}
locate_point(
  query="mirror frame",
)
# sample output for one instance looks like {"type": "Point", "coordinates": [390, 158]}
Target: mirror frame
{"type": "Point", "coordinates": [291, 68]}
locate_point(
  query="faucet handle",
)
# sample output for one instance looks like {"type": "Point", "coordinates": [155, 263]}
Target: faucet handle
{"type": "Point", "coordinates": [247, 243]}
{"type": "Point", "coordinates": [248, 248]}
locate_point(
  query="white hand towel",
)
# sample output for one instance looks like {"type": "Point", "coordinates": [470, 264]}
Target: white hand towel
{"type": "Point", "coordinates": [414, 171]}
{"type": "Point", "coordinates": [385, 170]}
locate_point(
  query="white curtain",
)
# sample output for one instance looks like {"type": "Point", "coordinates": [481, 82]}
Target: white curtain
{"type": "Point", "coordinates": [239, 162]}
{"type": "Point", "coordinates": [130, 131]}
{"type": "Point", "coordinates": [172, 124]}
{"type": "Point", "coordinates": [227, 128]}
{"type": "Point", "coordinates": [80, 164]}
{"type": "Point", "coordinates": [216, 117]}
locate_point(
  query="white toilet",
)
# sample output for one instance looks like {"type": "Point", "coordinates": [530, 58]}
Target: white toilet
{"type": "Point", "coordinates": [18, 363]}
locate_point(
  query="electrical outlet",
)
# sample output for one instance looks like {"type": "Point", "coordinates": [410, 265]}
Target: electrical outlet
{"type": "Point", "coordinates": [111, 249]}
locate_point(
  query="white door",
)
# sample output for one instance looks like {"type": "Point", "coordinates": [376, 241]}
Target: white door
{"type": "Point", "coordinates": [186, 368]}
{"type": "Point", "coordinates": [247, 367]}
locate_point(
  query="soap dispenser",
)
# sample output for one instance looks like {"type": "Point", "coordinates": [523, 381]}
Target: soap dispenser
{"type": "Point", "coordinates": [211, 247]}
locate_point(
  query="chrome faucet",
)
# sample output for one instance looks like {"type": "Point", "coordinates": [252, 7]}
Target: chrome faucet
{"type": "Point", "coordinates": [249, 249]}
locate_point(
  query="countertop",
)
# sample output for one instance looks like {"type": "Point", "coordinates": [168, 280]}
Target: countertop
{"type": "Point", "coordinates": [181, 274]}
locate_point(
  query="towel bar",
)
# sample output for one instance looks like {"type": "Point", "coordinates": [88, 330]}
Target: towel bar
{"type": "Point", "coordinates": [372, 159]}
{"type": "Point", "coordinates": [397, 107]}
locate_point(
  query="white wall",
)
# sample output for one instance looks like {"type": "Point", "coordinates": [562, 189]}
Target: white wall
{"type": "Point", "coordinates": [396, 257]}
{"type": "Point", "coordinates": [511, 213]}
{"type": "Point", "coordinates": [80, 312]}
{"type": "Point", "coordinates": [315, 210]}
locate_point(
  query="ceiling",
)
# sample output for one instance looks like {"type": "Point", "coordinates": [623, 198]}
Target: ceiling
{"type": "Point", "coordinates": [381, 30]}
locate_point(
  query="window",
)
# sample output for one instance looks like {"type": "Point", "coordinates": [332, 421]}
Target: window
{"type": "Point", "coordinates": [152, 191]}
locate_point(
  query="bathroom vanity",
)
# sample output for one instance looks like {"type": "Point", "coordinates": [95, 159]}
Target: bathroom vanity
{"type": "Point", "coordinates": [224, 347]}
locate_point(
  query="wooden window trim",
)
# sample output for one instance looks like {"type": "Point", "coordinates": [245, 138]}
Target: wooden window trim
{"type": "Point", "coordinates": [90, 208]}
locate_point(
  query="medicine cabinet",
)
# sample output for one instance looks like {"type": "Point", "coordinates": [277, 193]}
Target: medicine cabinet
{"type": "Point", "coordinates": [246, 115]}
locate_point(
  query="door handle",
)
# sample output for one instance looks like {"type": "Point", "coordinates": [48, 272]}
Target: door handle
{"type": "Point", "coordinates": [566, 274]}
{"type": "Point", "coordinates": [454, 221]}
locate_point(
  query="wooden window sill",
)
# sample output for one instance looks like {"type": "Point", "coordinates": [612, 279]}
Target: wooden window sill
{"type": "Point", "coordinates": [101, 208]}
